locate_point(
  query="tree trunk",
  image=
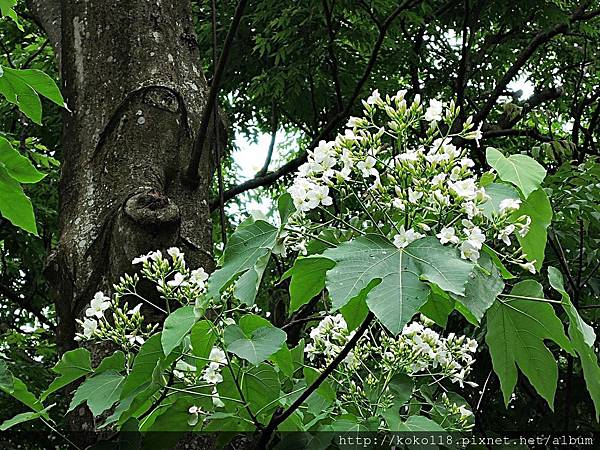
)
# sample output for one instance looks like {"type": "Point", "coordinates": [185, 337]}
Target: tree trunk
{"type": "Point", "coordinates": [131, 78]}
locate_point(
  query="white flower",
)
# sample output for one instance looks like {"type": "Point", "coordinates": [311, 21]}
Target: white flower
{"type": "Point", "coordinates": [471, 209]}
{"type": "Point", "coordinates": [404, 238]}
{"type": "Point", "coordinates": [464, 412]}
{"type": "Point", "coordinates": [141, 259]}
{"type": "Point", "coordinates": [414, 196]}
{"type": "Point", "coordinates": [98, 305]}
{"type": "Point", "coordinates": [438, 180]}
{"type": "Point", "coordinates": [175, 253]}
{"type": "Point", "coordinates": [133, 339]}
{"type": "Point", "coordinates": [524, 227]}
{"type": "Point", "coordinates": [229, 321]}
{"type": "Point", "coordinates": [217, 355]}
{"type": "Point", "coordinates": [475, 237]}
{"type": "Point", "coordinates": [212, 376]}
{"type": "Point", "coordinates": [319, 195]}
{"type": "Point", "coordinates": [89, 327]}
{"type": "Point", "coordinates": [529, 266]}
{"type": "Point", "coordinates": [135, 310]}
{"type": "Point", "coordinates": [216, 399]}
{"type": "Point", "coordinates": [375, 97]}
{"type": "Point", "coordinates": [447, 234]}
{"type": "Point", "coordinates": [469, 251]}
{"type": "Point", "coordinates": [434, 112]}
{"type": "Point", "coordinates": [198, 277]}
{"type": "Point", "coordinates": [177, 281]}
{"type": "Point", "coordinates": [505, 233]}
{"type": "Point", "coordinates": [398, 203]}
{"type": "Point", "coordinates": [509, 204]}
{"type": "Point", "coordinates": [353, 122]}
{"type": "Point", "coordinates": [195, 412]}
{"type": "Point", "coordinates": [464, 188]}
{"type": "Point", "coordinates": [367, 167]}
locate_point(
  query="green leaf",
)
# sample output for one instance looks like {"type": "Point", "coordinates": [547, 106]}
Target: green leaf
{"type": "Point", "coordinates": [145, 361]}
{"type": "Point", "coordinates": [438, 307]}
{"type": "Point", "coordinates": [22, 87]}
{"type": "Point", "coordinates": [308, 279]}
{"type": "Point", "coordinates": [15, 206]}
{"type": "Point", "coordinates": [6, 378]}
{"type": "Point", "coordinates": [496, 260]}
{"type": "Point", "coordinates": [114, 362]}
{"type": "Point", "coordinates": [324, 390]}
{"type": "Point", "coordinates": [6, 7]}
{"type": "Point", "coordinates": [416, 424]}
{"type": "Point", "coordinates": [484, 285]}
{"type": "Point", "coordinates": [260, 387]}
{"type": "Point", "coordinates": [72, 366]}
{"type": "Point", "coordinates": [244, 260]}
{"type": "Point", "coordinates": [520, 170]}
{"type": "Point", "coordinates": [177, 325]}
{"type": "Point", "coordinates": [100, 392]}
{"type": "Point", "coordinates": [498, 192]}
{"type": "Point", "coordinates": [516, 330]}
{"type": "Point", "coordinates": [258, 346]}
{"type": "Point", "coordinates": [23, 417]}
{"type": "Point", "coordinates": [400, 272]}
{"type": "Point", "coordinates": [402, 386]}
{"type": "Point", "coordinates": [583, 338]}
{"type": "Point", "coordinates": [18, 92]}
{"type": "Point", "coordinates": [537, 206]}
{"type": "Point", "coordinates": [16, 388]}
{"type": "Point", "coordinates": [285, 207]}
{"type": "Point", "coordinates": [41, 83]}
{"type": "Point", "coordinates": [283, 360]}
{"type": "Point", "coordinates": [202, 338]}
{"type": "Point", "coordinates": [355, 311]}
{"type": "Point", "coordinates": [17, 165]}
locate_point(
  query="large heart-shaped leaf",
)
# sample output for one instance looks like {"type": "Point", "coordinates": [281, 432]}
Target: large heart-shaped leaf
{"type": "Point", "coordinates": [521, 170]}
{"type": "Point", "coordinates": [516, 330]}
{"type": "Point", "coordinates": [256, 347]}
{"type": "Point", "coordinates": [537, 206]}
{"type": "Point", "coordinates": [72, 366]}
{"type": "Point", "coordinates": [177, 325]}
{"type": "Point", "coordinates": [100, 392]}
{"type": "Point", "coordinates": [394, 277]}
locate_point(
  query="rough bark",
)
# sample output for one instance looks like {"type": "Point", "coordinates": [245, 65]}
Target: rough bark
{"type": "Point", "coordinates": [131, 77]}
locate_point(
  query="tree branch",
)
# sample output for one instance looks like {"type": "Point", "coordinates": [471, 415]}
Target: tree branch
{"type": "Point", "coordinates": [332, 57]}
{"type": "Point", "coordinates": [274, 123]}
{"type": "Point", "coordinates": [281, 417]}
{"type": "Point", "coordinates": [532, 133]}
{"type": "Point", "coordinates": [541, 38]}
{"type": "Point", "coordinates": [192, 170]}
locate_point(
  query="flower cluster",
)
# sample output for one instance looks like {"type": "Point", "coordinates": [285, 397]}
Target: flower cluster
{"type": "Point", "coordinates": [416, 182]}
{"type": "Point", "coordinates": [124, 326]}
{"type": "Point", "coordinates": [171, 275]}
{"type": "Point", "coordinates": [421, 350]}
{"type": "Point", "coordinates": [173, 280]}
{"type": "Point", "coordinates": [327, 339]}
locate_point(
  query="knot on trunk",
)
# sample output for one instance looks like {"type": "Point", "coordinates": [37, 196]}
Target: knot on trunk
{"type": "Point", "coordinates": [152, 209]}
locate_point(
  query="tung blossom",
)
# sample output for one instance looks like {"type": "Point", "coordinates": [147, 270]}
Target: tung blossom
{"type": "Point", "coordinates": [98, 305]}
{"type": "Point", "coordinates": [89, 327]}
{"type": "Point", "coordinates": [447, 235]}
{"type": "Point", "coordinates": [434, 111]}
